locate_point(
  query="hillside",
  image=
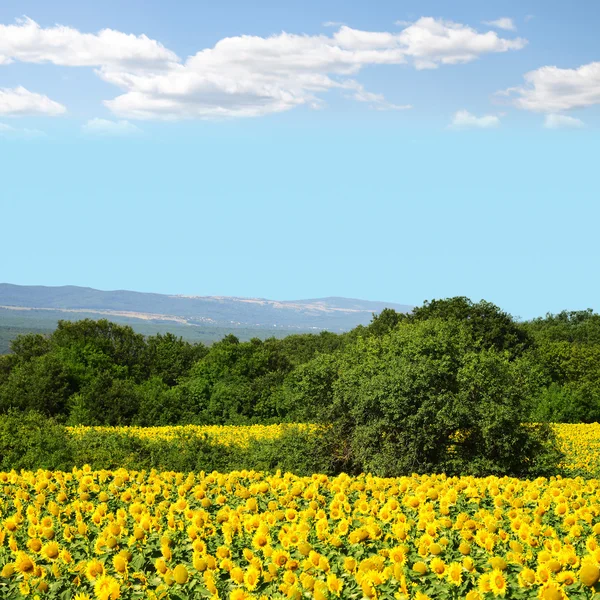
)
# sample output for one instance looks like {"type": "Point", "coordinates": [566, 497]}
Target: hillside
{"type": "Point", "coordinates": [199, 318]}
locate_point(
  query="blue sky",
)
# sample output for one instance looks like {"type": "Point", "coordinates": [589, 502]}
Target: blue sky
{"type": "Point", "coordinates": [382, 150]}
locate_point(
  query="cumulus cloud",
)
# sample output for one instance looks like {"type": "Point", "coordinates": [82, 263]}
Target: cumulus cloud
{"type": "Point", "coordinates": [554, 121]}
{"type": "Point", "coordinates": [250, 76]}
{"type": "Point", "coordinates": [20, 102]}
{"type": "Point", "coordinates": [108, 128]}
{"type": "Point", "coordinates": [505, 23]}
{"type": "Point", "coordinates": [463, 119]}
{"type": "Point", "coordinates": [245, 75]}
{"type": "Point", "coordinates": [552, 89]}
{"type": "Point", "coordinates": [26, 41]}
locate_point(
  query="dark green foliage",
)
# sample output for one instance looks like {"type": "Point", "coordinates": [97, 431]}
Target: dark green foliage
{"type": "Point", "coordinates": [43, 383]}
{"type": "Point", "coordinates": [488, 324]}
{"type": "Point", "coordinates": [237, 382]}
{"type": "Point", "coordinates": [581, 326]}
{"type": "Point", "coordinates": [26, 347]}
{"type": "Point", "coordinates": [384, 322]}
{"type": "Point", "coordinates": [296, 451]}
{"type": "Point", "coordinates": [102, 373]}
{"type": "Point", "coordinates": [161, 405]}
{"type": "Point", "coordinates": [427, 397]}
{"type": "Point", "coordinates": [573, 369]}
{"type": "Point", "coordinates": [566, 404]}
{"type": "Point", "coordinates": [103, 342]}
{"type": "Point", "coordinates": [170, 357]}
{"type": "Point", "coordinates": [33, 441]}
{"type": "Point", "coordinates": [106, 401]}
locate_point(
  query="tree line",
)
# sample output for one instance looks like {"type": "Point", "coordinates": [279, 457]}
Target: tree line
{"type": "Point", "coordinates": [455, 385]}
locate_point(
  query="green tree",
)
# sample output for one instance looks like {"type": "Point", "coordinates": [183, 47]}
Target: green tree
{"type": "Point", "coordinates": [30, 345]}
{"type": "Point", "coordinates": [427, 398]}
{"type": "Point", "coordinates": [105, 401]}
{"type": "Point", "coordinates": [43, 383]}
{"type": "Point", "coordinates": [170, 357]}
{"type": "Point", "coordinates": [573, 369]}
{"type": "Point", "coordinates": [384, 322]}
{"type": "Point", "coordinates": [490, 326]}
{"type": "Point", "coordinates": [111, 343]}
{"type": "Point", "coordinates": [578, 326]}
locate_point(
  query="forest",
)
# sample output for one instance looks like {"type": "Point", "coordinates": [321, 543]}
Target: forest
{"type": "Point", "coordinates": [102, 373]}
{"type": "Point", "coordinates": [397, 396]}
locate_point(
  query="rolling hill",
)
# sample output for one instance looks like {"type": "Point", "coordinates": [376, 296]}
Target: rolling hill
{"type": "Point", "coordinates": [200, 318]}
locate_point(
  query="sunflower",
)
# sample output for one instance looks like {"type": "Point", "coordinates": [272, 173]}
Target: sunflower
{"type": "Point", "coordinates": [334, 584]}
{"type": "Point", "coordinates": [484, 583]}
{"type": "Point", "coordinates": [107, 588]}
{"type": "Point", "coordinates": [50, 550]}
{"type": "Point", "coordinates": [24, 564]}
{"type": "Point", "coordinates": [497, 583]}
{"type": "Point", "coordinates": [438, 566]}
{"type": "Point", "coordinates": [7, 570]}
{"type": "Point", "coordinates": [180, 574]}
{"type": "Point", "coordinates": [251, 578]}
{"type": "Point", "coordinates": [589, 574]}
{"type": "Point", "coordinates": [260, 540]}
{"type": "Point", "coordinates": [93, 569]}
{"type": "Point", "coordinates": [280, 558]}
{"type": "Point", "coordinates": [454, 573]}
{"type": "Point", "coordinates": [398, 555]}
{"type": "Point", "coordinates": [551, 592]}
{"type": "Point", "coordinates": [120, 563]}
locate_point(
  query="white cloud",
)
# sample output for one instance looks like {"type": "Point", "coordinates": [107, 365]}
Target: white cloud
{"type": "Point", "coordinates": [505, 23]}
{"type": "Point", "coordinates": [554, 121]}
{"type": "Point", "coordinates": [245, 75]}
{"type": "Point", "coordinates": [19, 102]}
{"type": "Point", "coordinates": [552, 89]}
{"type": "Point", "coordinates": [463, 119]}
{"type": "Point", "coordinates": [332, 24]}
{"type": "Point", "coordinates": [376, 101]}
{"type": "Point", "coordinates": [26, 41]}
{"type": "Point", "coordinates": [107, 128]}
{"type": "Point", "coordinates": [250, 76]}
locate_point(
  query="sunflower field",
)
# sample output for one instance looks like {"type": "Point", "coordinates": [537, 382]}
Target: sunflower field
{"type": "Point", "coordinates": [239, 436]}
{"type": "Point", "coordinates": [107, 535]}
{"type": "Point", "coordinates": [580, 442]}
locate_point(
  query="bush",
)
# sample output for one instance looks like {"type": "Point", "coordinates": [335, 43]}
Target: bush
{"type": "Point", "coordinates": [33, 441]}
{"type": "Point", "coordinates": [428, 398]}
{"type": "Point", "coordinates": [567, 404]}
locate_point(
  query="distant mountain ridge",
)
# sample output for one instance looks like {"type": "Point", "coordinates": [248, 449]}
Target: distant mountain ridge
{"type": "Point", "coordinates": [333, 313]}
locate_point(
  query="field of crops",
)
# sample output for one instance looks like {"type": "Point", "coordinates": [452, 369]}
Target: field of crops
{"type": "Point", "coordinates": [226, 435]}
{"type": "Point", "coordinates": [110, 535]}
{"type": "Point", "coordinates": [105, 535]}
{"type": "Point", "coordinates": [579, 442]}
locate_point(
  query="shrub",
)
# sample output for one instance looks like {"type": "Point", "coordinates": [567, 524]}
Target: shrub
{"type": "Point", "coordinates": [33, 441]}
{"type": "Point", "coordinates": [427, 397]}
